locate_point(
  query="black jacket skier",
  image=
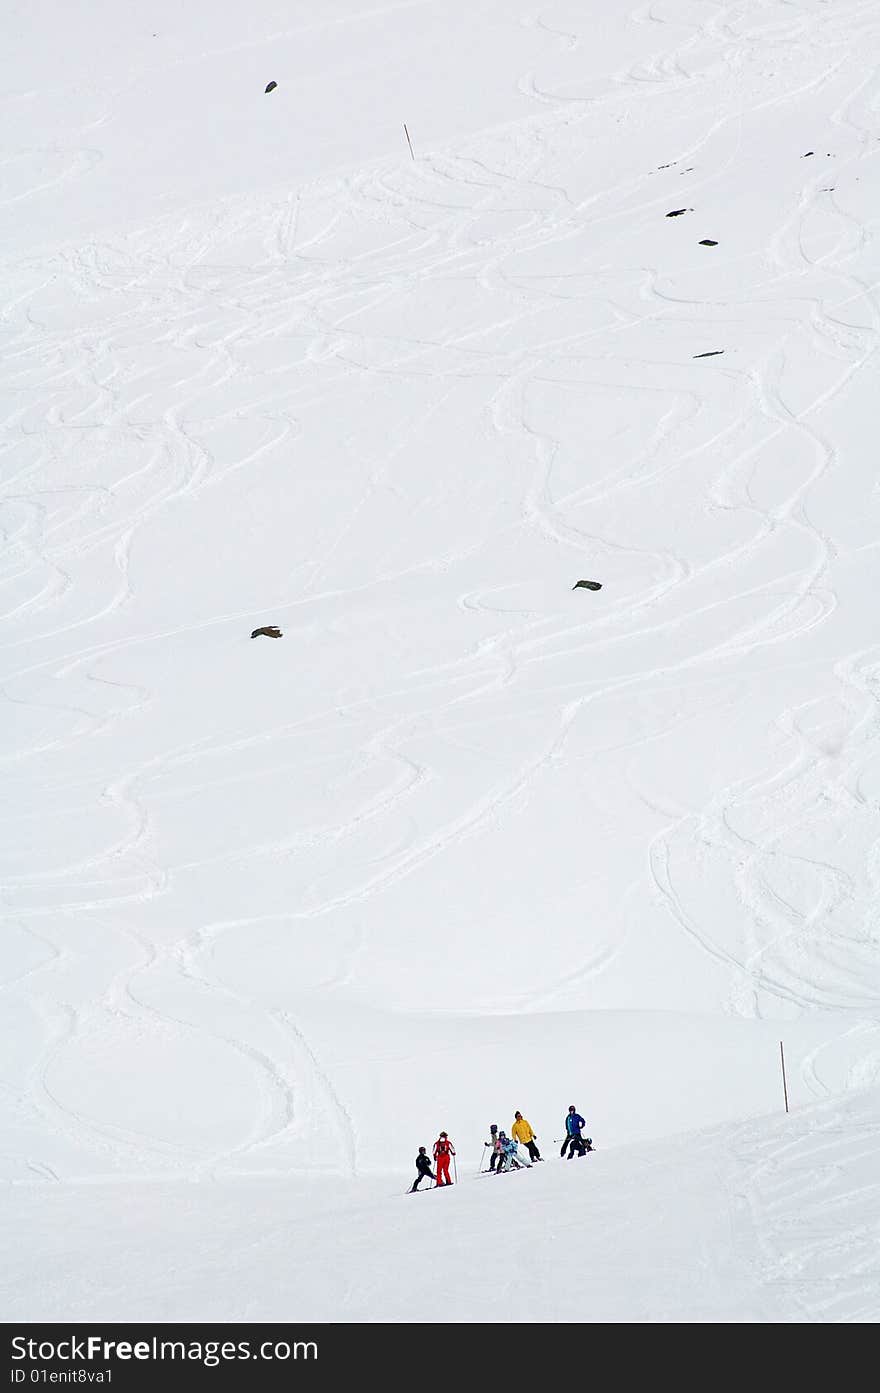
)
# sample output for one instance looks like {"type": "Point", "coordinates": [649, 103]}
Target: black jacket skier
{"type": "Point", "coordinates": [423, 1166]}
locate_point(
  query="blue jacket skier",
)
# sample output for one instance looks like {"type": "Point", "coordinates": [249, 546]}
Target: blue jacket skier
{"type": "Point", "coordinates": [511, 1156]}
{"type": "Point", "coordinates": [574, 1142]}
{"type": "Point", "coordinates": [508, 1151]}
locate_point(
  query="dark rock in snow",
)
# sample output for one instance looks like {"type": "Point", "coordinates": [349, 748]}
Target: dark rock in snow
{"type": "Point", "coordinates": [707, 242]}
{"type": "Point", "coordinates": [713, 353]}
{"type": "Point", "coordinates": [270, 630]}
{"type": "Point", "coordinates": [677, 212]}
{"type": "Point", "coordinates": [271, 87]}
{"type": "Point", "coordinates": [808, 154]}
{"type": "Point", "coordinates": [587, 585]}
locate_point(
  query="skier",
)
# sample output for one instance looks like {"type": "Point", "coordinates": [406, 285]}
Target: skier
{"type": "Point", "coordinates": [443, 1149]}
{"type": "Point", "coordinates": [522, 1132]}
{"type": "Point", "coordinates": [519, 1156]}
{"type": "Point", "coordinates": [512, 1157]}
{"type": "Point", "coordinates": [493, 1143]}
{"type": "Point", "coordinates": [574, 1124]}
{"type": "Point", "coordinates": [423, 1166]}
{"type": "Point", "coordinates": [502, 1146]}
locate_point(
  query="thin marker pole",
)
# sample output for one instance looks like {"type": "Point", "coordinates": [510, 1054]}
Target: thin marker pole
{"type": "Point", "coordinates": [784, 1085]}
{"type": "Point", "coordinates": [408, 141]}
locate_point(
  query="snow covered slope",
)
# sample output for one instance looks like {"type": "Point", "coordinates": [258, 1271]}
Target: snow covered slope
{"type": "Point", "coordinates": [768, 1222]}
{"type": "Point", "coordinates": [465, 839]}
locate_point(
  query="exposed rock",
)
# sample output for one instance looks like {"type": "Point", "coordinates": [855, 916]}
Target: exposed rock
{"type": "Point", "coordinates": [587, 585]}
{"type": "Point", "coordinates": [270, 630]}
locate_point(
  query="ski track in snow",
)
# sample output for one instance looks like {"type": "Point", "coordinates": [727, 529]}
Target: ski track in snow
{"type": "Point", "coordinates": [805, 1195]}
{"type": "Point", "coordinates": [180, 345]}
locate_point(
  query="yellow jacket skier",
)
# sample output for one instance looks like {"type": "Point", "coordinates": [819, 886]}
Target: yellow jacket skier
{"type": "Point", "coordinates": [522, 1132]}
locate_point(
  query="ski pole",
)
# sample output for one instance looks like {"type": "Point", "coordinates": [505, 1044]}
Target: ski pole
{"type": "Point", "coordinates": [454, 1168]}
{"type": "Point", "coordinates": [482, 1158]}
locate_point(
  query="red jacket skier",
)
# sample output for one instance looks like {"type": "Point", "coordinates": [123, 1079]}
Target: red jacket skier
{"type": "Point", "coordinates": [443, 1149]}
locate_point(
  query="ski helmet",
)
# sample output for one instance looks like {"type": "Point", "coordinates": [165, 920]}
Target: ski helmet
{"type": "Point", "coordinates": [422, 1150]}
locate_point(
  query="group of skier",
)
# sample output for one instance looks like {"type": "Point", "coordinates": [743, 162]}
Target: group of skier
{"type": "Point", "coordinates": [505, 1151]}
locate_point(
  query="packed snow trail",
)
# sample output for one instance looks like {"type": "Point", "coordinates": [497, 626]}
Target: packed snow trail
{"type": "Point", "coordinates": [770, 1221]}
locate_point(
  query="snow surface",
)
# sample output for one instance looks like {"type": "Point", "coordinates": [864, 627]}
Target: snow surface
{"type": "Point", "coordinates": [465, 839]}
